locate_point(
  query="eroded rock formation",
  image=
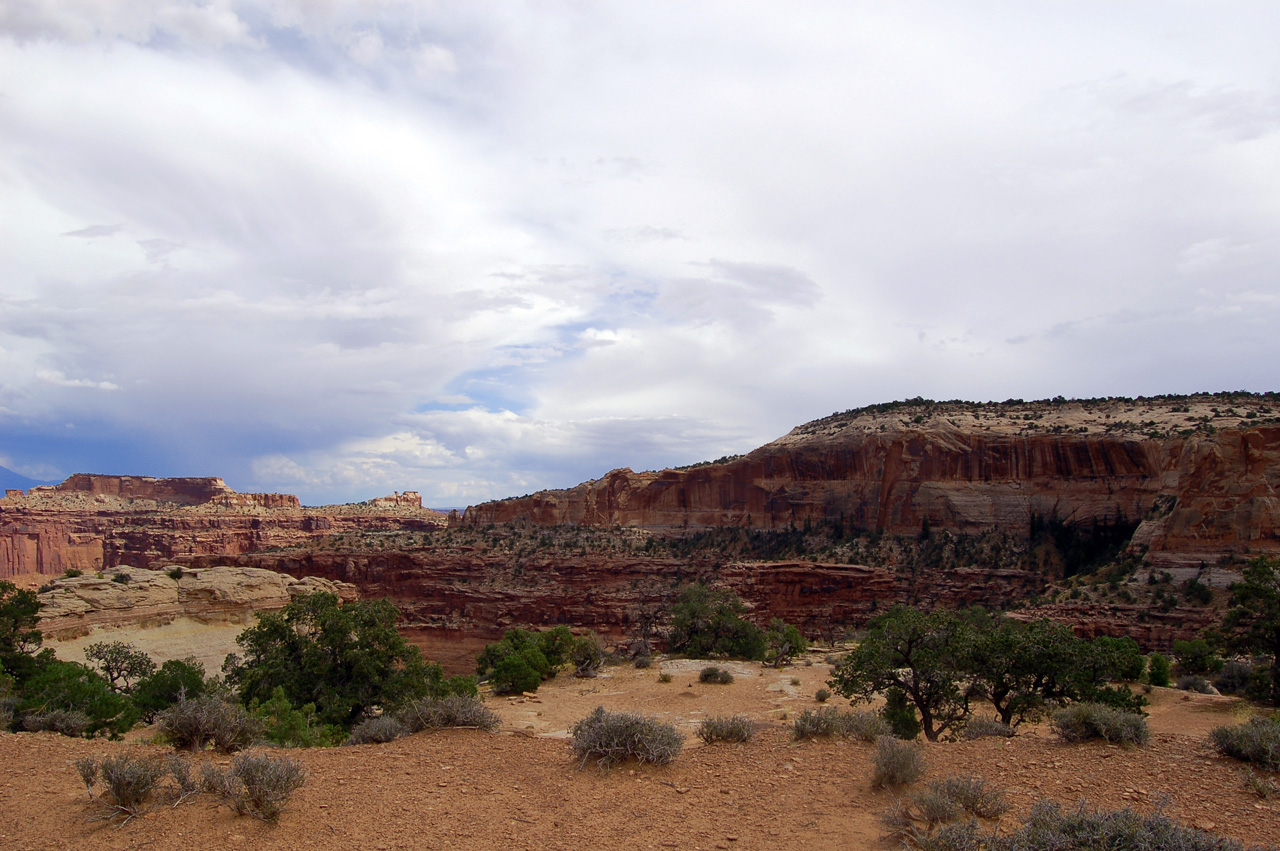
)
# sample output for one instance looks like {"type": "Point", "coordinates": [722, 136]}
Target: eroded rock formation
{"type": "Point", "coordinates": [1193, 494]}
{"type": "Point", "coordinates": [141, 598]}
{"type": "Point", "coordinates": [91, 523]}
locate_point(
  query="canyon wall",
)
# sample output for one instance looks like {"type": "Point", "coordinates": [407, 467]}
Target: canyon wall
{"type": "Point", "coordinates": [1192, 499]}
{"type": "Point", "coordinates": [92, 523]}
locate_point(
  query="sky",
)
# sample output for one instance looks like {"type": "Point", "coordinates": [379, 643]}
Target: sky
{"type": "Point", "coordinates": [477, 249]}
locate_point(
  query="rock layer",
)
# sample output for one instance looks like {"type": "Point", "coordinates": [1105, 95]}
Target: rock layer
{"type": "Point", "coordinates": [140, 598]}
{"type": "Point", "coordinates": [1192, 499]}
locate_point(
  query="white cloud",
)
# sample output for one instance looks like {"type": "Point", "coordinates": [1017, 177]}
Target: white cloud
{"type": "Point", "coordinates": [293, 236]}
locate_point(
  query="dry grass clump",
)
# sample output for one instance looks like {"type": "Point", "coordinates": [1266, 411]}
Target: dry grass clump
{"type": "Point", "coordinates": [1049, 826]}
{"type": "Point", "coordinates": [917, 820]}
{"type": "Point", "coordinates": [256, 784]}
{"type": "Point", "coordinates": [977, 728]}
{"type": "Point", "coordinates": [454, 710]}
{"type": "Point", "coordinates": [715, 676]}
{"type": "Point", "coordinates": [132, 782]}
{"type": "Point", "coordinates": [67, 722]}
{"type": "Point", "coordinates": [613, 737]}
{"type": "Point", "coordinates": [209, 721]}
{"type": "Point", "coordinates": [1082, 721]}
{"type": "Point", "coordinates": [377, 731]}
{"type": "Point", "coordinates": [736, 728]}
{"type": "Point", "coordinates": [829, 721]}
{"type": "Point", "coordinates": [897, 763]}
{"type": "Point", "coordinates": [1256, 740]}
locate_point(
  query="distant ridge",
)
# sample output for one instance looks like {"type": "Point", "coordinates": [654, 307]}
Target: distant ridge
{"type": "Point", "coordinates": [10, 479]}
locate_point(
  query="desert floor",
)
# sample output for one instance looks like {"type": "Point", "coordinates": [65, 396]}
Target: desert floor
{"type": "Point", "coordinates": [521, 788]}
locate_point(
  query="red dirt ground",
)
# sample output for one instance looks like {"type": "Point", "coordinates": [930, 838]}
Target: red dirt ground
{"type": "Point", "coordinates": [521, 788]}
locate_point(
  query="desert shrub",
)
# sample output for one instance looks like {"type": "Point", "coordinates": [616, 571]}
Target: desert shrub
{"type": "Point", "coordinates": [1261, 786]}
{"type": "Point", "coordinates": [72, 573]}
{"type": "Point", "coordinates": [1196, 683]}
{"type": "Point", "coordinates": [176, 573]}
{"type": "Point", "coordinates": [130, 781]}
{"type": "Point", "coordinates": [174, 680]}
{"type": "Point", "coordinates": [256, 784]}
{"type": "Point", "coordinates": [122, 578]}
{"type": "Point", "coordinates": [1235, 676]}
{"type": "Point", "coordinates": [345, 658]}
{"type": "Point", "coordinates": [973, 795]}
{"type": "Point", "coordinates": [643, 661]}
{"type": "Point", "coordinates": [735, 728]}
{"type": "Point", "coordinates": [433, 713]}
{"type": "Point", "coordinates": [708, 623]}
{"type": "Point", "coordinates": [822, 695]}
{"type": "Point", "coordinates": [377, 730]}
{"type": "Point", "coordinates": [829, 721]}
{"type": "Point", "coordinates": [180, 769]}
{"type": "Point", "coordinates": [664, 677]}
{"type": "Point", "coordinates": [1049, 826]}
{"type": "Point", "coordinates": [900, 715]}
{"type": "Point", "coordinates": [612, 737]}
{"type": "Point", "coordinates": [288, 727]}
{"type": "Point", "coordinates": [897, 763]}
{"type": "Point", "coordinates": [785, 642]}
{"type": "Point", "coordinates": [67, 722]}
{"type": "Point", "coordinates": [69, 687]}
{"type": "Point", "coordinates": [977, 728]}
{"type": "Point", "coordinates": [1158, 670]}
{"type": "Point", "coordinates": [716, 676]}
{"type": "Point", "coordinates": [209, 721]}
{"type": "Point", "coordinates": [1256, 740]}
{"type": "Point", "coordinates": [586, 654]}
{"type": "Point", "coordinates": [1081, 721]}
{"type": "Point", "coordinates": [1196, 657]}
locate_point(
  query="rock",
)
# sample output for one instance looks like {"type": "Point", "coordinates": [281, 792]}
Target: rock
{"type": "Point", "coordinates": [148, 598]}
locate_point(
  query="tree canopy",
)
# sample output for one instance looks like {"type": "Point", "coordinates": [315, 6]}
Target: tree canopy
{"type": "Point", "coordinates": [345, 659]}
{"type": "Point", "coordinates": [708, 623]}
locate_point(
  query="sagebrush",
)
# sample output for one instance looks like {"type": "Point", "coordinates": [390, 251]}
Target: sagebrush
{"type": "Point", "coordinates": [454, 710]}
{"type": "Point", "coordinates": [829, 721]}
{"type": "Point", "coordinates": [1255, 741]}
{"type": "Point", "coordinates": [735, 728]}
{"type": "Point", "coordinates": [612, 737]}
{"type": "Point", "coordinates": [897, 763]}
{"type": "Point", "coordinates": [209, 721]}
{"type": "Point", "coordinates": [1082, 721]}
{"type": "Point", "coordinates": [256, 784]}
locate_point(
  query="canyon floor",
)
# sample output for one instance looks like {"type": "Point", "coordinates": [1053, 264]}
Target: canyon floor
{"type": "Point", "coordinates": [521, 788]}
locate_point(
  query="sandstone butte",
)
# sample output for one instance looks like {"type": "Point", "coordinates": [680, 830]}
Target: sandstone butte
{"type": "Point", "coordinates": [1192, 482]}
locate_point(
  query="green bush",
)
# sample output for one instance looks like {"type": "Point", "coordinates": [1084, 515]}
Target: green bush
{"type": "Point", "coordinates": [664, 677]}
{"type": "Point", "coordinates": [256, 784]}
{"type": "Point", "coordinates": [708, 623]}
{"type": "Point", "coordinates": [715, 676]}
{"type": "Point", "coordinates": [288, 727]}
{"type": "Point", "coordinates": [522, 659]}
{"type": "Point", "coordinates": [829, 721]}
{"type": "Point", "coordinates": [345, 658]}
{"type": "Point", "coordinates": [1196, 657]}
{"type": "Point", "coordinates": [900, 715]}
{"type": "Point", "coordinates": [1082, 721]}
{"type": "Point", "coordinates": [455, 710]}
{"type": "Point", "coordinates": [1256, 740]}
{"type": "Point", "coordinates": [736, 728]}
{"type": "Point", "coordinates": [784, 641]}
{"type": "Point", "coordinates": [612, 737]}
{"type": "Point", "coordinates": [174, 680]}
{"type": "Point", "coordinates": [209, 721]}
{"type": "Point", "coordinates": [378, 730]}
{"type": "Point", "coordinates": [897, 763]}
{"type": "Point", "coordinates": [1235, 676]}
{"type": "Point", "coordinates": [587, 655]}
{"type": "Point", "coordinates": [1158, 670]}
{"type": "Point", "coordinates": [72, 573]}
{"type": "Point", "coordinates": [69, 687]}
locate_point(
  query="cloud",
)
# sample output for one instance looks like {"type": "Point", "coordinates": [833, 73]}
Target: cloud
{"type": "Point", "coordinates": [484, 249]}
{"type": "Point", "coordinates": [94, 231]}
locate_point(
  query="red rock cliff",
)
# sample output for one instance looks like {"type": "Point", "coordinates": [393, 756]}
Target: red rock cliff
{"type": "Point", "coordinates": [1199, 496]}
